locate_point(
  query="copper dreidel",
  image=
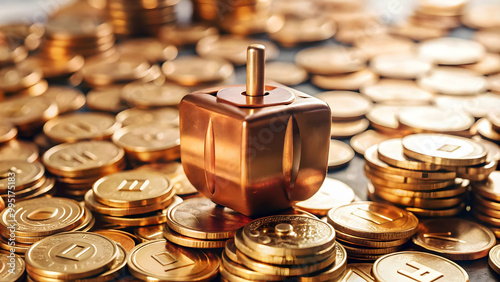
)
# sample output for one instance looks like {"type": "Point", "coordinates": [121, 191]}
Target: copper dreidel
{"type": "Point", "coordinates": [255, 149]}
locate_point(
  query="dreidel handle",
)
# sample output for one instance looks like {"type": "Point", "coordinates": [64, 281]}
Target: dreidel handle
{"type": "Point", "coordinates": [256, 57]}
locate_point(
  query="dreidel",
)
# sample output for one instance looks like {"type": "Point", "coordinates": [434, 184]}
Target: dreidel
{"type": "Point", "coordinates": [256, 149]}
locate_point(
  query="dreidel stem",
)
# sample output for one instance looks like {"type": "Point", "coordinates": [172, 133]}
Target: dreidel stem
{"type": "Point", "coordinates": [256, 54]}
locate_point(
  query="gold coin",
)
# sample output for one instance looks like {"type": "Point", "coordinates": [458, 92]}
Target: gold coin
{"type": "Point", "coordinates": [370, 243]}
{"type": "Point", "coordinates": [163, 261]}
{"type": "Point", "coordinates": [149, 143]}
{"type": "Point", "coordinates": [494, 258]}
{"type": "Point", "coordinates": [71, 255]}
{"type": "Point", "coordinates": [285, 270]}
{"type": "Point", "coordinates": [451, 51]}
{"type": "Point", "coordinates": [43, 217]}
{"type": "Point", "coordinates": [132, 188]}
{"type": "Point", "coordinates": [482, 16]}
{"type": "Point", "coordinates": [28, 113]}
{"type": "Point", "coordinates": [297, 30]}
{"type": "Point", "coordinates": [76, 28]}
{"type": "Point", "coordinates": [153, 95]}
{"type": "Point", "coordinates": [148, 233]}
{"type": "Point", "coordinates": [19, 174]}
{"type": "Point", "coordinates": [106, 72]}
{"type": "Point", "coordinates": [12, 267]}
{"type": "Point", "coordinates": [437, 212]}
{"type": "Point", "coordinates": [363, 252]}
{"type": "Point", "coordinates": [306, 235]}
{"type": "Point", "coordinates": [453, 81]}
{"type": "Point", "coordinates": [454, 238]}
{"type": "Point", "coordinates": [135, 116]}
{"type": "Point", "coordinates": [94, 205]}
{"type": "Point", "coordinates": [391, 152]}
{"type": "Point", "coordinates": [373, 162]}
{"type": "Point", "coordinates": [107, 99]}
{"type": "Point", "coordinates": [181, 35]}
{"type": "Point", "coordinates": [373, 220]}
{"type": "Point", "coordinates": [443, 149]}
{"type": "Point", "coordinates": [83, 158]}
{"type": "Point", "coordinates": [359, 271]}
{"type": "Point", "coordinates": [57, 69]}
{"type": "Point", "coordinates": [351, 81]}
{"type": "Point", "coordinates": [489, 64]}
{"type": "Point", "coordinates": [489, 204]}
{"type": "Point", "coordinates": [489, 38]}
{"type": "Point", "coordinates": [409, 266]}
{"type": "Point", "coordinates": [485, 129]}
{"type": "Point", "coordinates": [19, 77]}
{"type": "Point", "coordinates": [384, 118]}
{"type": "Point", "coordinates": [240, 244]}
{"type": "Point", "coordinates": [417, 32]}
{"type": "Point", "coordinates": [153, 218]}
{"type": "Point", "coordinates": [152, 49]}
{"type": "Point", "coordinates": [124, 239]}
{"type": "Point", "coordinates": [401, 182]}
{"type": "Point", "coordinates": [399, 92]}
{"type": "Point", "coordinates": [285, 73]}
{"type": "Point", "coordinates": [384, 44]}
{"type": "Point", "coordinates": [235, 269]}
{"type": "Point", "coordinates": [434, 194]}
{"type": "Point", "coordinates": [7, 131]}
{"type": "Point", "coordinates": [346, 129]}
{"type": "Point", "coordinates": [345, 105]}
{"type": "Point", "coordinates": [67, 99]}
{"type": "Point", "coordinates": [175, 172]}
{"type": "Point", "coordinates": [479, 106]}
{"type": "Point", "coordinates": [203, 219]}
{"type": "Point", "coordinates": [423, 119]}
{"type": "Point", "coordinates": [19, 248]}
{"type": "Point", "coordinates": [232, 48]}
{"type": "Point", "coordinates": [333, 271]}
{"type": "Point", "coordinates": [331, 60]}
{"type": "Point", "coordinates": [361, 142]}
{"type": "Point", "coordinates": [193, 70]}
{"type": "Point", "coordinates": [332, 193]}
{"type": "Point", "coordinates": [494, 221]}
{"type": "Point", "coordinates": [490, 188]}
{"type": "Point", "coordinates": [81, 126]}
{"type": "Point", "coordinates": [191, 242]}
{"type": "Point", "coordinates": [423, 203]}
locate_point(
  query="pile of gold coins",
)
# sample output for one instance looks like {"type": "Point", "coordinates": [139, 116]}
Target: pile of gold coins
{"type": "Point", "coordinates": [132, 18]}
{"type": "Point", "coordinates": [40, 218]}
{"type": "Point", "coordinates": [28, 179]}
{"type": "Point", "coordinates": [131, 198]}
{"type": "Point", "coordinates": [47, 259]}
{"type": "Point", "coordinates": [262, 250]}
{"type": "Point", "coordinates": [78, 165]}
{"type": "Point", "coordinates": [369, 230]}
{"type": "Point", "coordinates": [427, 174]}
{"type": "Point", "coordinates": [486, 201]}
{"type": "Point", "coordinates": [200, 223]}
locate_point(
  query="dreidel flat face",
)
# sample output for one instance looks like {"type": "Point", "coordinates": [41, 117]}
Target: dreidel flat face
{"type": "Point", "coordinates": [255, 160]}
{"type": "Point", "coordinates": [255, 149]}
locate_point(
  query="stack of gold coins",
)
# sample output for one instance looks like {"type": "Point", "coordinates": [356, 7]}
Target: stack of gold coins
{"type": "Point", "coordinates": [131, 198]}
{"type": "Point", "coordinates": [486, 201]}
{"type": "Point", "coordinates": [81, 126]}
{"type": "Point", "coordinates": [72, 256]}
{"type": "Point", "coordinates": [131, 18]}
{"type": "Point", "coordinates": [454, 238]}
{"type": "Point", "coordinates": [281, 246]}
{"type": "Point", "coordinates": [70, 35]}
{"type": "Point", "coordinates": [408, 174]}
{"type": "Point", "coordinates": [157, 260]}
{"type": "Point", "coordinates": [444, 15]}
{"type": "Point", "coordinates": [78, 165]}
{"type": "Point", "coordinates": [336, 67]}
{"type": "Point", "coordinates": [200, 223]}
{"type": "Point", "coordinates": [369, 230]}
{"type": "Point", "coordinates": [348, 111]}
{"type": "Point", "coordinates": [24, 180]}
{"type": "Point", "coordinates": [205, 10]}
{"type": "Point", "coordinates": [23, 79]}
{"type": "Point", "coordinates": [41, 217]}
{"type": "Point", "coordinates": [245, 17]}
{"type": "Point", "coordinates": [57, 69]}
{"type": "Point", "coordinates": [118, 70]}
{"type": "Point", "coordinates": [28, 114]}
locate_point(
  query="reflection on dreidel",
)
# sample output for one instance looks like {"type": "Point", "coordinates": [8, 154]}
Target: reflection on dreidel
{"type": "Point", "coordinates": [255, 149]}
